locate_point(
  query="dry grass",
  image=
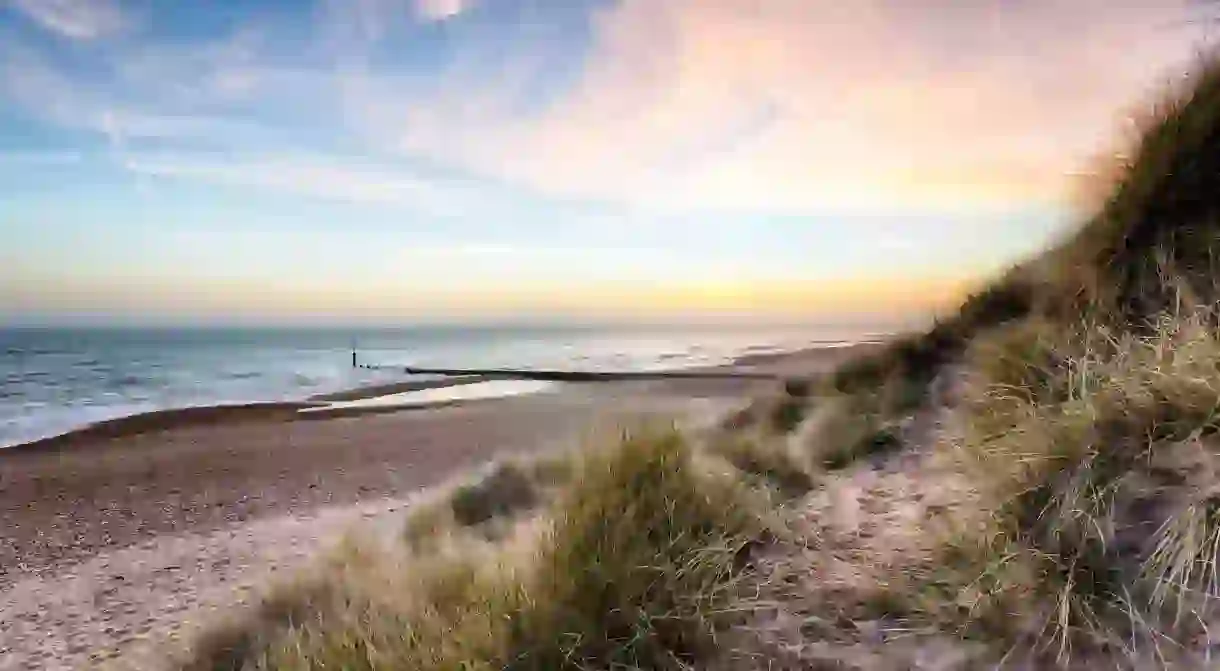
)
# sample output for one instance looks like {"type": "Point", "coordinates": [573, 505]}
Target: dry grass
{"type": "Point", "coordinates": [898, 376]}
{"type": "Point", "coordinates": [1079, 524]}
{"type": "Point", "coordinates": [639, 567]}
{"type": "Point", "coordinates": [791, 408]}
{"type": "Point", "coordinates": [364, 608]}
{"type": "Point", "coordinates": [1161, 214]}
{"type": "Point", "coordinates": [1101, 473]}
{"type": "Point", "coordinates": [634, 567]}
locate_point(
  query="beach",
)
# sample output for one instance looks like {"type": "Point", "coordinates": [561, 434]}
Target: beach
{"type": "Point", "coordinates": [54, 382]}
{"type": "Point", "coordinates": [117, 538]}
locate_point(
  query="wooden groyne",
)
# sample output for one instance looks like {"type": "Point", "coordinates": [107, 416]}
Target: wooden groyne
{"type": "Point", "coordinates": [578, 375]}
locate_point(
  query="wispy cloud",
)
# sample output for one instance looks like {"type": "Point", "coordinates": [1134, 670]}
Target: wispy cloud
{"type": "Point", "coordinates": [724, 105]}
{"type": "Point", "coordinates": [439, 10]}
{"type": "Point", "coordinates": [74, 19]}
{"type": "Point", "coordinates": [120, 111]}
{"type": "Point", "coordinates": [983, 103]}
{"type": "Point", "coordinates": [40, 158]}
{"type": "Point", "coordinates": [202, 74]}
{"type": "Point", "coordinates": [308, 176]}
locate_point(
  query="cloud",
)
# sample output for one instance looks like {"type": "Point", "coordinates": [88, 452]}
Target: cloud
{"type": "Point", "coordinates": [439, 10]}
{"type": "Point", "coordinates": [192, 73]}
{"type": "Point", "coordinates": [896, 243]}
{"type": "Point", "coordinates": [121, 112]}
{"type": "Point", "coordinates": [787, 106]}
{"type": "Point", "coordinates": [793, 104]}
{"type": "Point", "coordinates": [40, 158]}
{"type": "Point", "coordinates": [74, 19]}
{"type": "Point", "coordinates": [307, 176]}
{"type": "Point", "coordinates": [350, 29]}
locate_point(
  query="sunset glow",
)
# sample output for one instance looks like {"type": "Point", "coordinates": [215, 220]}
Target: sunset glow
{"type": "Point", "coordinates": [399, 159]}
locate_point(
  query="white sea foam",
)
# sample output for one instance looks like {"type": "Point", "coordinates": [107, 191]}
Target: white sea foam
{"type": "Point", "coordinates": [425, 397]}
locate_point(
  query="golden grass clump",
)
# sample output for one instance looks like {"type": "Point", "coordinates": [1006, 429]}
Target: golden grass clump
{"type": "Point", "coordinates": [364, 609]}
{"type": "Point", "coordinates": [638, 566]}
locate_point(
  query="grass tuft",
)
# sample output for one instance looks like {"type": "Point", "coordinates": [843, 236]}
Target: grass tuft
{"type": "Point", "coordinates": [637, 567]}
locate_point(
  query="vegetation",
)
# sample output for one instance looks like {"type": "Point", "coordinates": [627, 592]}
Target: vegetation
{"type": "Point", "coordinates": [505, 491]}
{"type": "Point", "coordinates": [1032, 483]}
{"type": "Point", "coordinates": [1102, 483]}
{"type": "Point", "coordinates": [768, 463]}
{"type": "Point", "coordinates": [634, 568]}
{"type": "Point", "coordinates": [636, 571]}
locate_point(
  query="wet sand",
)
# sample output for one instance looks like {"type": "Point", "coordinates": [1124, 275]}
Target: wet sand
{"type": "Point", "coordinates": [115, 538]}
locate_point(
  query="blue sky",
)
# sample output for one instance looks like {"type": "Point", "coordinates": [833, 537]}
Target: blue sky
{"type": "Point", "coordinates": [403, 159]}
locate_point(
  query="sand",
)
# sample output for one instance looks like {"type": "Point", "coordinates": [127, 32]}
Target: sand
{"type": "Point", "coordinates": [115, 540]}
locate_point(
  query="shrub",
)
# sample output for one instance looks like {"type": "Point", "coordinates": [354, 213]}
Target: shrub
{"type": "Point", "coordinates": [787, 414]}
{"type": "Point", "coordinates": [770, 462]}
{"type": "Point", "coordinates": [798, 388]}
{"type": "Point", "coordinates": [505, 491]}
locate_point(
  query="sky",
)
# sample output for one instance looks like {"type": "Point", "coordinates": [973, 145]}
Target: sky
{"type": "Point", "coordinates": [399, 160]}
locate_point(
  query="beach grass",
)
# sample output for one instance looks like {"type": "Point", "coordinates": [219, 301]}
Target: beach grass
{"type": "Point", "coordinates": [633, 566]}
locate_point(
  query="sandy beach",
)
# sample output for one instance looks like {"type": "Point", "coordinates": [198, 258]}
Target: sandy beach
{"type": "Point", "coordinates": [118, 536]}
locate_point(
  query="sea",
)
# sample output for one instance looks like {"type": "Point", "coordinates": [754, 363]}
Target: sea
{"type": "Point", "coordinates": [55, 380]}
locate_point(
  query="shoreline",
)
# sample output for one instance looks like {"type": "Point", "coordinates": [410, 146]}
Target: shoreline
{"type": "Point", "coordinates": [161, 420]}
{"type": "Point", "coordinates": [743, 368]}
